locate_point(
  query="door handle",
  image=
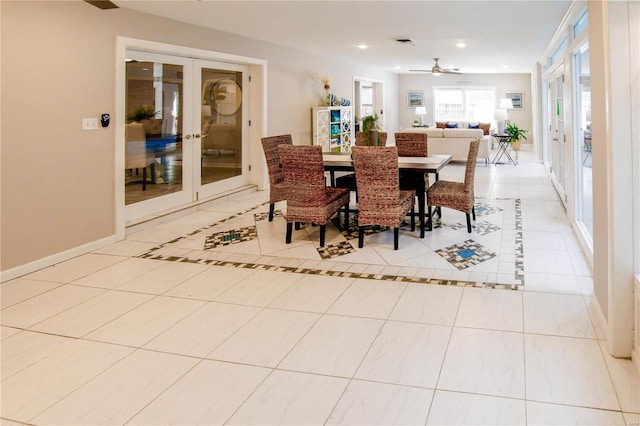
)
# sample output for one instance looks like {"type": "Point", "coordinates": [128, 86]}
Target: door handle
{"type": "Point", "coordinates": [187, 136]}
{"type": "Point", "coordinates": [197, 136]}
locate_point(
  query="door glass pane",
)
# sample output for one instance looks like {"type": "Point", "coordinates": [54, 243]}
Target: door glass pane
{"type": "Point", "coordinates": [221, 125]}
{"type": "Point", "coordinates": [583, 108]}
{"type": "Point", "coordinates": [153, 133]}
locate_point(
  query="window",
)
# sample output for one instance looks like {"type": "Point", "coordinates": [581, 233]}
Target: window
{"type": "Point", "coordinates": [580, 25]}
{"type": "Point", "coordinates": [464, 103]}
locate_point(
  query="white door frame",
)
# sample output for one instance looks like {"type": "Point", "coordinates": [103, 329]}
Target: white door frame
{"type": "Point", "coordinates": [258, 112]}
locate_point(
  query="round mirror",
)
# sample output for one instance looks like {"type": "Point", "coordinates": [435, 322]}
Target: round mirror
{"type": "Point", "coordinates": [225, 97]}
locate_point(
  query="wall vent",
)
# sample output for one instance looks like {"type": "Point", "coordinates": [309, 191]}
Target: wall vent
{"type": "Point", "coordinates": [405, 41]}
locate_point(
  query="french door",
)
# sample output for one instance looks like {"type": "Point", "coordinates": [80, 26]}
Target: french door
{"type": "Point", "coordinates": [557, 139]}
{"type": "Point", "coordinates": [186, 132]}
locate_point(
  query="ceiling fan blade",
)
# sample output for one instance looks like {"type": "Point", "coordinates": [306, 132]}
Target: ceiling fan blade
{"type": "Point", "coordinates": [429, 71]}
{"type": "Point", "coordinates": [452, 71]}
{"type": "Point", "coordinates": [102, 4]}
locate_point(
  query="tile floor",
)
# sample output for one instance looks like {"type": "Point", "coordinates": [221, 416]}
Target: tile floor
{"type": "Point", "coordinates": [199, 319]}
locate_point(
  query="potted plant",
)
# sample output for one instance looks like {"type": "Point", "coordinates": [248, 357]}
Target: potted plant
{"type": "Point", "coordinates": [516, 135]}
{"type": "Point", "coordinates": [141, 113]}
{"type": "Point", "coordinates": [370, 127]}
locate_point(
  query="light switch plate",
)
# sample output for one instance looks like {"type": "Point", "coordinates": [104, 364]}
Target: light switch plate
{"type": "Point", "coordinates": [89, 124]}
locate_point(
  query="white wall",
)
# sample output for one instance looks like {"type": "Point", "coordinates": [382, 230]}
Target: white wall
{"type": "Point", "coordinates": [502, 83]}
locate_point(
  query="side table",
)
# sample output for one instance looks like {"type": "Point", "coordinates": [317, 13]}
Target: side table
{"type": "Point", "coordinates": [504, 146]}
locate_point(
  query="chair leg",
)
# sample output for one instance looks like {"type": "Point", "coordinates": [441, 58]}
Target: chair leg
{"type": "Point", "coordinates": [473, 211]}
{"type": "Point", "coordinates": [413, 219]}
{"type": "Point", "coordinates": [468, 222]}
{"type": "Point", "coordinates": [346, 216]}
{"type": "Point", "coordinates": [360, 236]}
{"type": "Point", "coordinates": [289, 232]}
{"type": "Point", "coordinates": [396, 232]}
{"type": "Point", "coordinates": [323, 228]}
{"type": "Point", "coordinates": [271, 208]}
{"type": "Point", "coordinates": [144, 179]}
{"type": "Point", "coordinates": [430, 219]}
{"type": "Point", "coordinates": [297, 226]}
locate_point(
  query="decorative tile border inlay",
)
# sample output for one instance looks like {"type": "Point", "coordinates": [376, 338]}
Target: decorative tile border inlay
{"type": "Point", "coordinates": [466, 254]}
{"type": "Point", "coordinates": [519, 263]}
{"type": "Point", "coordinates": [265, 215]}
{"type": "Point", "coordinates": [330, 273]}
{"type": "Point", "coordinates": [519, 272]}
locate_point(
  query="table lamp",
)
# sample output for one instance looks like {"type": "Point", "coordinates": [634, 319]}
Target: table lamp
{"type": "Point", "coordinates": [421, 111]}
{"type": "Point", "coordinates": [501, 116]}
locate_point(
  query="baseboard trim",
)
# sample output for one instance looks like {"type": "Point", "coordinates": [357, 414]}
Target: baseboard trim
{"type": "Point", "coordinates": [45, 262]}
{"type": "Point", "coordinates": [599, 317]}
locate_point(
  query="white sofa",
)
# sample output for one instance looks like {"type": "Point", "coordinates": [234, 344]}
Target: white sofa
{"type": "Point", "coordinates": [455, 142]}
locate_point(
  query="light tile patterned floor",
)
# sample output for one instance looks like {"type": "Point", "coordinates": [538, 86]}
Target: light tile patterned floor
{"type": "Point", "coordinates": [210, 318]}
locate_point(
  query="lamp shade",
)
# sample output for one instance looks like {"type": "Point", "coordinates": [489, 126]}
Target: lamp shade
{"type": "Point", "coordinates": [421, 110]}
{"type": "Point", "coordinates": [500, 114]}
{"type": "Point", "coordinates": [506, 103]}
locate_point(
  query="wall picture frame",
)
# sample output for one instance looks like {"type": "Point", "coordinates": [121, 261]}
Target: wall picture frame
{"type": "Point", "coordinates": [517, 98]}
{"type": "Point", "coordinates": [415, 98]}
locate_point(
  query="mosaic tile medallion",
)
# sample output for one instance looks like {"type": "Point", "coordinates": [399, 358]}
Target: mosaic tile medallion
{"type": "Point", "coordinates": [481, 228]}
{"type": "Point", "coordinates": [485, 209]}
{"type": "Point", "coordinates": [330, 251]}
{"type": "Point", "coordinates": [466, 254]}
{"type": "Point", "coordinates": [233, 236]}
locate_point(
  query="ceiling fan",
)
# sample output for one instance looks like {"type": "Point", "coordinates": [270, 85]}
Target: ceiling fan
{"type": "Point", "coordinates": [437, 70]}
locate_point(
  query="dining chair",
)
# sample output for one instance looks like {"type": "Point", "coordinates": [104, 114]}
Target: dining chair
{"type": "Point", "coordinates": [276, 178]}
{"type": "Point", "coordinates": [349, 180]}
{"type": "Point", "coordinates": [308, 199]}
{"type": "Point", "coordinates": [456, 195]}
{"type": "Point", "coordinates": [412, 145]}
{"type": "Point", "coordinates": [136, 156]}
{"type": "Point", "coordinates": [381, 201]}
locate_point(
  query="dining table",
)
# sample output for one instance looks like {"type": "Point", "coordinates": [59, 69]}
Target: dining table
{"type": "Point", "coordinates": [342, 162]}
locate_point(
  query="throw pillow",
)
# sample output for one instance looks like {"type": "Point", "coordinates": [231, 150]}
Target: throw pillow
{"type": "Point", "coordinates": [452, 125]}
{"type": "Point", "coordinates": [474, 126]}
{"type": "Point", "coordinates": [485, 127]}
{"type": "Point", "coordinates": [441, 124]}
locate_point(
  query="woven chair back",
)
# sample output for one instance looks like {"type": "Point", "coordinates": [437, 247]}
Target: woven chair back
{"type": "Point", "coordinates": [411, 144]}
{"type": "Point", "coordinates": [470, 170]}
{"type": "Point", "coordinates": [303, 172]}
{"type": "Point", "coordinates": [376, 176]}
{"type": "Point", "coordinates": [270, 146]}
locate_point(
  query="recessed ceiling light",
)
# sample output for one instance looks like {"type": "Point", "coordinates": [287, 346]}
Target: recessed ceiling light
{"type": "Point", "coordinates": [397, 67]}
{"type": "Point", "coordinates": [505, 66]}
{"type": "Point", "coordinates": [362, 46]}
{"type": "Point", "coordinates": [461, 44]}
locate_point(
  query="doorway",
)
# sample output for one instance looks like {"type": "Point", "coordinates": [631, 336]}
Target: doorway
{"type": "Point", "coordinates": [186, 131]}
{"type": "Point", "coordinates": [368, 98]}
{"type": "Point", "coordinates": [557, 137]}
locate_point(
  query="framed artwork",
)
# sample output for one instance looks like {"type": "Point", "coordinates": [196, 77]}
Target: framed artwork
{"type": "Point", "coordinates": [517, 98]}
{"type": "Point", "coordinates": [415, 98]}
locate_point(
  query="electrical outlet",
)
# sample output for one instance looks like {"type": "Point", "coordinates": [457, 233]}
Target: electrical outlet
{"type": "Point", "coordinates": [89, 124]}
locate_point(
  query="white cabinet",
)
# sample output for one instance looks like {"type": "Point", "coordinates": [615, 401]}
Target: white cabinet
{"type": "Point", "coordinates": [332, 128]}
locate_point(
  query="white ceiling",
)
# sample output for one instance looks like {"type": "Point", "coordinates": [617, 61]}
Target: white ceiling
{"type": "Point", "coordinates": [501, 36]}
